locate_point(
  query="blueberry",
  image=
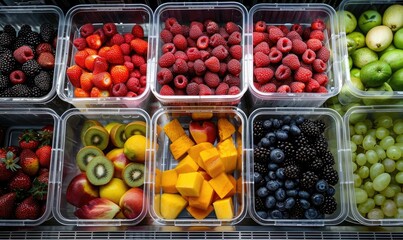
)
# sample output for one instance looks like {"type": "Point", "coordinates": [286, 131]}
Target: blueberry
{"type": "Point", "coordinates": [257, 177]}
{"type": "Point", "coordinates": [304, 194]}
{"type": "Point", "coordinates": [280, 173]}
{"type": "Point", "coordinates": [286, 215]}
{"type": "Point", "coordinates": [262, 214]}
{"type": "Point", "coordinates": [272, 175]}
{"type": "Point", "coordinates": [265, 142]}
{"type": "Point", "coordinates": [267, 124]}
{"type": "Point", "coordinates": [271, 136]}
{"type": "Point", "coordinates": [272, 166]}
{"type": "Point", "coordinates": [331, 191]}
{"type": "Point", "coordinates": [304, 203]}
{"type": "Point", "coordinates": [321, 186]}
{"type": "Point", "coordinates": [266, 178]}
{"type": "Point", "coordinates": [311, 213]}
{"type": "Point", "coordinates": [277, 156]}
{"type": "Point", "coordinates": [287, 119]}
{"type": "Point", "coordinates": [276, 214]}
{"type": "Point", "coordinates": [262, 192]}
{"type": "Point", "coordinates": [270, 202]}
{"type": "Point", "coordinates": [299, 119]}
{"type": "Point", "coordinates": [280, 206]}
{"type": "Point", "coordinates": [294, 130]}
{"type": "Point", "coordinates": [289, 203]}
{"type": "Point", "coordinates": [281, 135]}
{"type": "Point", "coordinates": [289, 184]}
{"type": "Point", "coordinates": [272, 185]}
{"type": "Point", "coordinates": [292, 193]}
{"type": "Point", "coordinates": [317, 199]}
{"type": "Point", "coordinates": [280, 194]}
{"type": "Point", "coordinates": [285, 128]}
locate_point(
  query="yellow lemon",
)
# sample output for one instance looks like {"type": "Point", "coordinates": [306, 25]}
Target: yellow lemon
{"type": "Point", "coordinates": [135, 148]}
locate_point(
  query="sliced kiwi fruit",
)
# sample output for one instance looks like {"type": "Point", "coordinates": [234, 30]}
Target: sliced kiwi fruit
{"type": "Point", "coordinates": [136, 128]}
{"type": "Point", "coordinates": [133, 174]}
{"type": "Point", "coordinates": [87, 124]}
{"type": "Point", "coordinates": [96, 136]}
{"type": "Point", "coordinates": [100, 170]}
{"type": "Point", "coordinates": [117, 135]}
{"type": "Point", "coordinates": [86, 154]}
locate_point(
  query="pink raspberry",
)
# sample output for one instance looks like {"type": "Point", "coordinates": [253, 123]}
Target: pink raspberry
{"type": "Point", "coordinates": [314, 44]}
{"type": "Point", "coordinates": [323, 53]}
{"type": "Point", "coordinates": [284, 29]}
{"type": "Point", "coordinates": [291, 61]}
{"type": "Point", "coordinates": [234, 38]}
{"type": "Point", "coordinates": [262, 47]}
{"type": "Point", "coordinates": [284, 89]}
{"type": "Point", "coordinates": [199, 67]}
{"type": "Point", "coordinates": [268, 88]}
{"type": "Point", "coordinates": [204, 90]}
{"type": "Point", "coordinates": [166, 90]}
{"type": "Point", "coordinates": [133, 84]}
{"type": "Point", "coordinates": [80, 43]}
{"type": "Point", "coordinates": [223, 69]}
{"type": "Point", "coordinates": [260, 26]}
{"type": "Point", "coordinates": [275, 55]}
{"type": "Point", "coordinates": [319, 66]}
{"type": "Point", "coordinates": [275, 34]}
{"type": "Point", "coordinates": [126, 49]}
{"type": "Point", "coordinates": [317, 34]}
{"type": "Point", "coordinates": [263, 75]}
{"type": "Point", "coordinates": [223, 33]}
{"type": "Point", "coordinates": [261, 60]}
{"type": "Point", "coordinates": [220, 52]}
{"type": "Point", "coordinates": [181, 55]}
{"type": "Point", "coordinates": [302, 75]}
{"type": "Point", "coordinates": [259, 37]}
{"type": "Point", "coordinates": [192, 89]}
{"type": "Point", "coordinates": [191, 42]}
{"type": "Point", "coordinates": [298, 46]}
{"type": "Point", "coordinates": [321, 78]}
{"type": "Point", "coordinates": [231, 27]}
{"type": "Point", "coordinates": [234, 67]}
{"type": "Point", "coordinates": [166, 60]}
{"type": "Point", "coordinates": [312, 86]}
{"type": "Point", "coordinates": [180, 66]}
{"type": "Point", "coordinates": [193, 54]}
{"type": "Point", "coordinates": [198, 24]}
{"type": "Point", "coordinates": [143, 69]}
{"type": "Point", "coordinates": [129, 37]}
{"type": "Point", "coordinates": [217, 40]}
{"type": "Point", "coordinates": [212, 64]}
{"type": "Point", "coordinates": [282, 72]}
{"type": "Point", "coordinates": [212, 27]}
{"type": "Point", "coordinates": [168, 47]}
{"type": "Point", "coordinates": [164, 76]}
{"type": "Point", "coordinates": [284, 45]}
{"type": "Point", "coordinates": [180, 81]}
{"type": "Point", "coordinates": [293, 35]}
{"type": "Point", "coordinates": [234, 90]}
{"type": "Point", "coordinates": [222, 89]}
{"type": "Point", "coordinates": [137, 60]}
{"type": "Point", "coordinates": [322, 89]}
{"type": "Point", "coordinates": [236, 51]}
{"type": "Point", "coordinates": [297, 27]}
{"type": "Point", "coordinates": [195, 32]}
{"type": "Point", "coordinates": [166, 36]}
{"type": "Point", "coordinates": [23, 54]}
{"type": "Point", "coordinates": [180, 42]}
{"type": "Point", "coordinates": [297, 87]}
{"type": "Point", "coordinates": [117, 39]}
{"type": "Point", "coordinates": [197, 79]}
{"type": "Point", "coordinates": [308, 56]}
{"type": "Point", "coordinates": [232, 80]}
{"type": "Point", "coordinates": [211, 79]}
{"type": "Point", "coordinates": [176, 29]}
{"type": "Point", "coordinates": [202, 42]}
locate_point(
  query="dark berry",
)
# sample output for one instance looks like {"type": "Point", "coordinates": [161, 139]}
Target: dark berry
{"type": "Point", "coordinates": [260, 168]}
{"type": "Point", "coordinates": [5, 39]}
{"type": "Point", "coordinates": [43, 81]}
{"type": "Point", "coordinates": [311, 213]}
{"type": "Point", "coordinates": [304, 203]}
{"type": "Point", "coordinates": [304, 194]}
{"type": "Point", "coordinates": [299, 120]}
{"type": "Point", "coordinates": [272, 166]}
{"type": "Point", "coordinates": [280, 174]}
{"type": "Point", "coordinates": [265, 142]}
{"type": "Point", "coordinates": [31, 68]}
{"type": "Point", "coordinates": [262, 214]}
{"type": "Point", "coordinates": [289, 184]}
{"type": "Point", "coordinates": [280, 194]}
{"type": "Point", "coordinates": [329, 205]}
{"type": "Point", "coordinates": [287, 119]}
{"type": "Point", "coordinates": [310, 128]}
{"type": "Point", "coordinates": [317, 199]}
{"type": "Point", "coordinates": [272, 175]}
{"type": "Point", "coordinates": [308, 180]}
{"type": "Point", "coordinates": [286, 128]}
{"type": "Point", "coordinates": [292, 171]}
{"type": "Point", "coordinates": [270, 202]}
{"type": "Point", "coordinates": [276, 123]}
{"type": "Point", "coordinates": [261, 154]}
{"type": "Point", "coordinates": [47, 32]}
{"type": "Point", "coordinates": [262, 192]}
{"type": "Point", "coordinates": [272, 185]}
{"type": "Point", "coordinates": [330, 175]}
{"type": "Point", "coordinates": [322, 186]}
{"type": "Point", "coordinates": [331, 191]}
{"type": "Point", "coordinates": [294, 130]}
{"type": "Point", "coordinates": [276, 214]}
{"type": "Point", "coordinates": [259, 205]}
{"type": "Point", "coordinates": [257, 177]}
{"type": "Point", "coordinates": [280, 206]}
{"type": "Point", "coordinates": [277, 156]}
{"type": "Point", "coordinates": [267, 124]}
{"type": "Point", "coordinates": [292, 193]}
{"type": "Point", "coordinates": [289, 203]}
{"type": "Point", "coordinates": [258, 130]}
{"type": "Point", "coordinates": [281, 135]}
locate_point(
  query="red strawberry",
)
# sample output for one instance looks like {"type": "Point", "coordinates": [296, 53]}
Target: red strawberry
{"type": "Point", "coordinates": [28, 139]}
{"type": "Point", "coordinates": [7, 205]}
{"type": "Point", "coordinates": [100, 65]}
{"type": "Point", "coordinates": [138, 31]}
{"type": "Point", "coordinates": [29, 162]}
{"type": "Point", "coordinates": [28, 209]}
{"type": "Point", "coordinates": [43, 47]}
{"type": "Point", "coordinates": [8, 165]}
{"type": "Point", "coordinates": [102, 80]}
{"type": "Point", "coordinates": [79, 58]}
{"type": "Point", "coordinates": [117, 39]}
{"type": "Point", "coordinates": [46, 60]}
{"type": "Point", "coordinates": [73, 73]}
{"type": "Point", "coordinates": [140, 46]}
{"type": "Point", "coordinates": [167, 90]}
{"type": "Point", "coordinates": [20, 182]}
{"type": "Point", "coordinates": [40, 186]}
{"type": "Point", "coordinates": [94, 41]}
{"type": "Point", "coordinates": [114, 55]}
{"type": "Point", "coordinates": [44, 154]}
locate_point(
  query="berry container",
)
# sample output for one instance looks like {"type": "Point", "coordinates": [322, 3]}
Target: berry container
{"type": "Point", "coordinates": [13, 122]}
{"type": "Point", "coordinates": [287, 15]}
{"type": "Point", "coordinates": [163, 160]}
{"type": "Point", "coordinates": [185, 13]}
{"type": "Point", "coordinates": [35, 16]}
{"type": "Point", "coordinates": [378, 116]}
{"type": "Point", "coordinates": [125, 16]}
{"type": "Point", "coordinates": [333, 124]}
{"type": "Point", "coordinates": [72, 122]}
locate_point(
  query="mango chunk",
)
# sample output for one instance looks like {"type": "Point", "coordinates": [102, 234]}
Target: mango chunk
{"type": "Point", "coordinates": [202, 116]}
{"type": "Point", "coordinates": [194, 152]}
{"type": "Point", "coordinates": [228, 154]}
{"type": "Point", "coordinates": [204, 199]}
{"type": "Point", "coordinates": [221, 184]}
{"type": "Point", "coordinates": [180, 146]}
{"type": "Point", "coordinates": [224, 208]}
{"type": "Point", "coordinates": [186, 165]}
{"type": "Point", "coordinates": [158, 176]}
{"type": "Point", "coordinates": [174, 130]}
{"type": "Point", "coordinates": [205, 175]}
{"type": "Point", "coordinates": [168, 181]}
{"type": "Point", "coordinates": [172, 205]}
{"type": "Point", "coordinates": [189, 184]}
{"type": "Point", "coordinates": [198, 213]}
{"type": "Point", "coordinates": [212, 162]}
{"type": "Point", "coordinates": [225, 129]}
{"type": "Point", "coordinates": [234, 184]}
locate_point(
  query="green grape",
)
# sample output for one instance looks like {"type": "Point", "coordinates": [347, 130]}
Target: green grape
{"type": "Point", "coordinates": [381, 133]}
{"type": "Point", "coordinates": [369, 123]}
{"type": "Point", "coordinates": [399, 145]}
{"type": "Point", "coordinates": [389, 208]}
{"type": "Point", "coordinates": [393, 152]}
{"type": "Point", "coordinates": [388, 192]}
{"type": "Point", "coordinates": [369, 142]}
{"type": "Point", "coordinates": [398, 127]}
{"type": "Point", "coordinates": [395, 187]}
{"type": "Point", "coordinates": [353, 156]}
{"type": "Point", "coordinates": [399, 165]}
{"type": "Point", "coordinates": [387, 142]}
{"type": "Point", "coordinates": [363, 172]}
{"type": "Point", "coordinates": [360, 128]}
{"type": "Point", "coordinates": [371, 156]}
{"type": "Point", "coordinates": [399, 138]}
{"type": "Point", "coordinates": [384, 121]}
{"type": "Point", "coordinates": [399, 199]}
{"type": "Point", "coordinates": [389, 165]}
{"type": "Point", "coordinates": [380, 151]}
{"type": "Point", "coordinates": [361, 159]}
{"type": "Point", "coordinates": [357, 180]}
{"type": "Point", "coordinates": [354, 167]}
{"type": "Point", "coordinates": [399, 213]}
{"type": "Point", "coordinates": [375, 170]}
{"type": "Point", "coordinates": [369, 188]}
{"type": "Point", "coordinates": [375, 214]}
{"type": "Point", "coordinates": [360, 195]}
{"type": "Point", "coordinates": [357, 139]}
{"type": "Point", "coordinates": [352, 131]}
{"type": "Point", "coordinates": [381, 181]}
{"type": "Point", "coordinates": [366, 206]}
{"type": "Point", "coordinates": [379, 199]}
{"type": "Point", "coordinates": [372, 132]}
{"type": "Point", "coordinates": [353, 146]}
{"type": "Point", "coordinates": [399, 177]}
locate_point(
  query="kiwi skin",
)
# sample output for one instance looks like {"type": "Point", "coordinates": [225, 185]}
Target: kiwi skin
{"type": "Point", "coordinates": [135, 127]}
{"type": "Point", "coordinates": [100, 171]}
{"type": "Point", "coordinates": [117, 135]}
{"type": "Point", "coordinates": [86, 154]}
{"type": "Point", "coordinates": [96, 136]}
{"type": "Point", "coordinates": [133, 170]}
{"type": "Point", "coordinates": [87, 124]}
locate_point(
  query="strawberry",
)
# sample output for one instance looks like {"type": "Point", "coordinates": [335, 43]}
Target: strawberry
{"type": "Point", "coordinates": [86, 81]}
{"type": "Point", "coordinates": [73, 73]}
{"type": "Point", "coordinates": [15, 149]}
{"type": "Point", "coordinates": [80, 93]}
{"type": "Point", "coordinates": [46, 60]}
{"type": "Point", "coordinates": [79, 58]}
{"type": "Point", "coordinates": [119, 74]}
{"type": "Point", "coordinates": [138, 31]}
{"type": "Point", "coordinates": [140, 46]}
{"type": "Point", "coordinates": [28, 139]}
{"type": "Point", "coordinates": [94, 41]}
{"type": "Point", "coordinates": [28, 209]}
{"type": "Point", "coordinates": [8, 165]}
{"type": "Point", "coordinates": [114, 55]}
{"type": "Point", "coordinates": [20, 182]}
{"type": "Point", "coordinates": [100, 65]}
{"type": "Point", "coordinates": [7, 205]}
{"type": "Point", "coordinates": [29, 162]}
{"type": "Point", "coordinates": [40, 186]}
{"type": "Point", "coordinates": [102, 80]}
{"type": "Point", "coordinates": [44, 154]}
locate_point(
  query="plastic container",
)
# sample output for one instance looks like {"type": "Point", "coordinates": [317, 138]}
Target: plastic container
{"type": "Point", "coordinates": [369, 114]}
{"type": "Point", "coordinates": [289, 14]}
{"type": "Point", "coordinates": [35, 16]}
{"type": "Point", "coordinates": [13, 122]}
{"type": "Point", "coordinates": [125, 16]}
{"type": "Point", "coordinates": [162, 159]}
{"type": "Point", "coordinates": [185, 13]}
{"type": "Point", "coordinates": [70, 143]}
{"type": "Point", "coordinates": [335, 139]}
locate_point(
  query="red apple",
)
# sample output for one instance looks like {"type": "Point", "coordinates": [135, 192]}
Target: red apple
{"type": "Point", "coordinates": [119, 160]}
{"type": "Point", "coordinates": [205, 131]}
{"type": "Point", "coordinates": [98, 208]}
{"type": "Point", "coordinates": [131, 203]}
{"type": "Point", "coordinates": [80, 191]}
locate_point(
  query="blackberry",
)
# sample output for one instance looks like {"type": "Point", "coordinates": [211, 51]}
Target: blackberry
{"type": "Point", "coordinates": [43, 81]}
{"type": "Point", "coordinates": [36, 92]}
{"type": "Point", "coordinates": [32, 38]}
{"type": "Point", "coordinates": [10, 30]}
{"type": "Point", "coordinates": [297, 212]}
{"type": "Point", "coordinates": [321, 125]}
{"type": "Point", "coordinates": [5, 39]}
{"type": "Point", "coordinates": [320, 144]}
{"type": "Point", "coordinates": [47, 32]}
{"type": "Point", "coordinates": [259, 205]}
{"type": "Point", "coordinates": [330, 175]}
{"type": "Point", "coordinates": [327, 158]}
{"type": "Point", "coordinates": [7, 63]}
{"type": "Point", "coordinates": [7, 93]}
{"type": "Point", "coordinates": [261, 168]}
{"type": "Point", "coordinates": [290, 161]}
{"type": "Point", "coordinates": [300, 141]}
{"type": "Point", "coordinates": [316, 165]}
{"type": "Point", "coordinates": [287, 148]}
{"type": "Point", "coordinates": [4, 81]}
{"type": "Point", "coordinates": [292, 171]}
{"type": "Point", "coordinates": [329, 205]}
{"type": "Point", "coordinates": [24, 30]}
{"type": "Point", "coordinates": [308, 180]}
{"type": "Point", "coordinates": [261, 154]}
{"type": "Point", "coordinates": [20, 90]}
{"type": "Point", "coordinates": [258, 130]}
{"type": "Point", "coordinates": [31, 68]}
{"type": "Point", "coordinates": [310, 128]}
{"type": "Point", "coordinates": [302, 154]}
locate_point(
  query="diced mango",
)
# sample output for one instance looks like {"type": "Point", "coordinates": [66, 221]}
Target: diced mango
{"type": "Point", "coordinates": [158, 176]}
{"type": "Point", "coordinates": [212, 162]}
{"type": "Point", "coordinates": [228, 154]}
{"type": "Point", "coordinates": [204, 199]}
{"type": "Point", "coordinates": [172, 205]}
{"type": "Point", "coordinates": [198, 213]}
{"type": "Point", "coordinates": [202, 116]}
{"type": "Point", "coordinates": [189, 184]}
{"type": "Point", "coordinates": [221, 184]}
{"type": "Point", "coordinates": [225, 129]}
{"type": "Point", "coordinates": [195, 150]}
{"type": "Point", "coordinates": [233, 181]}
{"type": "Point", "coordinates": [168, 181]}
{"type": "Point", "coordinates": [205, 175]}
{"type": "Point", "coordinates": [186, 165]}
{"type": "Point", "coordinates": [174, 130]}
{"type": "Point", "coordinates": [224, 209]}
{"type": "Point", "coordinates": [180, 146]}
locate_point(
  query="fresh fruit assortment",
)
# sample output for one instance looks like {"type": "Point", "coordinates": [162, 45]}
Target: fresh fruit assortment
{"type": "Point", "coordinates": [206, 178]}
{"type": "Point", "coordinates": [200, 59]}
{"type": "Point", "coordinates": [110, 184]}
{"type": "Point", "coordinates": [293, 171]}
{"type": "Point", "coordinates": [27, 60]}
{"type": "Point", "coordinates": [376, 145]}
{"type": "Point", "coordinates": [109, 63]}
{"type": "Point", "coordinates": [24, 175]}
{"type": "Point", "coordinates": [290, 60]}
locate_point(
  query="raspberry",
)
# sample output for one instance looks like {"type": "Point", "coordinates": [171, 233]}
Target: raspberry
{"type": "Point", "coordinates": [169, 22]}
{"type": "Point", "coordinates": [262, 47]}
{"type": "Point", "coordinates": [318, 24]}
{"type": "Point", "coordinates": [236, 51]}
{"type": "Point", "coordinates": [223, 69]}
{"type": "Point", "coordinates": [195, 32]}
{"type": "Point", "coordinates": [231, 27]}
{"type": "Point", "coordinates": [197, 79]}
{"type": "Point", "coordinates": [125, 47]}
{"type": "Point", "coordinates": [166, 90]}
{"type": "Point", "coordinates": [308, 56]}
{"type": "Point", "coordinates": [220, 52]}
{"type": "Point", "coordinates": [119, 90]}
{"type": "Point", "coordinates": [202, 42]}
{"type": "Point", "coordinates": [180, 42]}
{"type": "Point", "coordinates": [176, 29]}
{"type": "Point", "coordinates": [44, 47]}
{"type": "Point", "coordinates": [312, 86]}
{"type": "Point", "coordinates": [284, 89]}
{"type": "Point", "coordinates": [117, 39]}
{"type": "Point", "coordinates": [166, 60]}
{"type": "Point", "coordinates": [268, 88]}
{"type": "Point", "coordinates": [143, 81]}
{"type": "Point", "coordinates": [263, 75]}
{"type": "Point", "coordinates": [234, 67]}
{"type": "Point", "coordinates": [222, 89]}
{"type": "Point", "coordinates": [303, 75]}
{"type": "Point", "coordinates": [260, 26]}
{"type": "Point", "coordinates": [259, 37]}
{"type": "Point", "coordinates": [322, 89]}
{"type": "Point", "coordinates": [129, 37]}
{"type": "Point", "coordinates": [211, 79]}
{"type": "Point", "coordinates": [234, 38]}
{"type": "Point", "coordinates": [317, 34]}
{"type": "Point", "coordinates": [261, 60]}
{"type": "Point", "coordinates": [297, 87]}
{"type": "Point", "coordinates": [166, 36]}
{"type": "Point", "coordinates": [168, 47]}
{"type": "Point", "coordinates": [234, 90]}
{"type": "Point", "coordinates": [282, 72]}
{"type": "Point", "coordinates": [321, 78]}
{"type": "Point", "coordinates": [143, 69]}
{"type": "Point", "coordinates": [191, 42]}
{"type": "Point", "coordinates": [275, 34]}
{"type": "Point", "coordinates": [275, 55]}
{"type": "Point", "coordinates": [314, 44]}
{"type": "Point", "coordinates": [212, 27]}
{"type": "Point", "coordinates": [138, 31]}
{"type": "Point", "coordinates": [193, 54]}
{"type": "Point", "coordinates": [23, 54]}
{"type": "Point", "coordinates": [86, 30]}
{"type": "Point", "coordinates": [191, 69]}
{"type": "Point", "coordinates": [199, 67]}
{"type": "Point", "coordinates": [297, 27]}
{"type": "Point", "coordinates": [293, 35]}
{"type": "Point", "coordinates": [217, 40]}
{"type": "Point", "coordinates": [133, 84]}
{"type": "Point", "coordinates": [232, 80]}
{"type": "Point", "coordinates": [137, 60]}
{"type": "Point", "coordinates": [298, 46]}
{"type": "Point", "coordinates": [223, 33]}
{"type": "Point", "coordinates": [212, 64]}
{"type": "Point", "coordinates": [109, 29]}
{"type": "Point", "coordinates": [284, 29]}
{"type": "Point", "coordinates": [17, 77]}
{"type": "Point", "coordinates": [204, 90]}
{"type": "Point", "coordinates": [319, 66]}
{"type": "Point", "coordinates": [323, 54]}
{"type": "Point", "coordinates": [180, 66]}
{"type": "Point", "coordinates": [204, 55]}
{"type": "Point", "coordinates": [198, 24]}
{"type": "Point", "coordinates": [181, 55]}
{"type": "Point", "coordinates": [80, 43]}
{"type": "Point", "coordinates": [180, 81]}
{"type": "Point", "coordinates": [192, 89]}
{"type": "Point", "coordinates": [291, 61]}
{"type": "Point", "coordinates": [284, 45]}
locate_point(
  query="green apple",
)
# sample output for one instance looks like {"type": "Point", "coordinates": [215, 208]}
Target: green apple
{"type": "Point", "coordinates": [376, 73]}
{"type": "Point", "coordinates": [350, 22]}
{"type": "Point", "coordinates": [398, 38]}
{"type": "Point", "coordinates": [396, 81]}
{"type": "Point", "coordinates": [394, 58]}
{"type": "Point", "coordinates": [363, 56]}
{"type": "Point", "coordinates": [369, 19]}
{"type": "Point", "coordinates": [379, 38]}
{"type": "Point", "coordinates": [358, 37]}
{"type": "Point", "coordinates": [393, 17]}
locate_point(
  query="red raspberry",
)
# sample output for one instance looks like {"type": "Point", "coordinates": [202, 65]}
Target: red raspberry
{"type": "Point", "coordinates": [231, 27]}
{"type": "Point", "coordinates": [168, 47]}
{"type": "Point", "coordinates": [298, 46]}
{"type": "Point", "coordinates": [129, 37]}
{"type": "Point", "coordinates": [262, 47]}
{"type": "Point", "coordinates": [275, 55]}
{"type": "Point", "coordinates": [133, 84]}
{"type": "Point", "coordinates": [181, 55]}
{"type": "Point", "coordinates": [212, 27]}
{"type": "Point", "coordinates": [212, 64]}
{"type": "Point", "coordinates": [198, 24]}
{"type": "Point", "coordinates": [291, 61]}
{"type": "Point", "coordinates": [319, 66]}
{"type": "Point", "coordinates": [117, 39]}
{"type": "Point", "coordinates": [166, 36]}
{"type": "Point", "coordinates": [261, 60]}
{"type": "Point", "coordinates": [136, 73]}
{"type": "Point", "coordinates": [193, 53]}
{"type": "Point", "coordinates": [223, 33]}
{"type": "Point", "coordinates": [143, 69]}
{"type": "Point", "coordinates": [297, 87]}
{"type": "Point", "coordinates": [314, 44]}
{"type": "Point", "coordinates": [199, 67]}
{"type": "Point", "coordinates": [323, 54]}
{"type": "Point", "coordinates": [87, 30]}
{"type": "Point", "coordinates": [317, 34]}
{"type": "Point", "coordinates": [126, 49]}
{"type": "Point", "coordinates": [318, 24]}
{"type": "Point", "coordinates": [169, 22]}
{"type": "Point", "coordinates": [302, 75]}
{"type": "Point", "coordinates": [17, 77]}
{"type": "Point", "coordinates": [234, 90]}
{"type": "Point", "coordinates": [166, 60]}
{"type": "Point", "coordinates": [284, 29]}
{"type": "Point", "coordinates": [222, 89]}
{"type": "Point", "coordinates": [23, 54]}
{"type": "Point", "coordinates": [268, 88]}
{"type": "Point", "coordinates": [119, 90]}
{"type": "Point", "coordinates": [138, 60]}
{"type": "Point", "coordinates": [308, 56]}
{"type": "Point", "coordinates": [235, 38]}
{"type": "Point", "coordinates": [282, 72]}
{"type": "Point", "coordinates": [312, 86]}
{"type": "Point", "coordinates": [297, 27]}
{"type": "Point", "coordinates": [109, 29]}
{"type": "Point", "coordinates": [180, 81]}
{"type": "Point", "coordinates": [220, 52]}
{"type": "Point", "coordinates": [164, 76]}
{"type": "Point", "coordinates": [180, 42]}
{"type": "Point", "coordinates": [180, 66]}
{"type": "Point", "coordinates": [306, 65]}
{"type": "Point", "coordinates": [131, 94]}
{"type": "Point", "coordinates": [321, 78]}
{"type": "Point", "coordinates": [191, 42]}
{"type": "Point", "coordinates": [284, 45]}
{"type": "Point", "coordinates": [217, 40]}
{"type": "Point", "coordinates": [192, 89]}
{"type": "Point", "coordinates": [195, 32]}
{"type": "Point", "coordinates": [223, 70]}
{"type": "Point", "coordinates": [263, 75]}
{"type": "Point", "coordinates": [234, 67]}
{"type": "Point", "coordinates": [260, 26]}
{"type": "Point", "coordinates": [175, 29]}
{"type": "Point", "coordinates": [128, 64]}
{"type": "Point", "coordinates": [185, 30]}
{"type": "Point", "coordinates": [80, 43]}
{"type": "Point", "coordinates": [322, 89]}
{"type": "Point", "coordinates": [204, 55]}
{"type": "Point", "coordinates": [211, 79]}
{"type": "Point", "coordinates": [202, 42]}
{"type": "Point", "coordinates": [138, 31]}
{"type": "Point", "coordinates": [197, 79]}
{"type": "Point", "coordinates": [166, 90]}
{"type": "Point", "coordinates": [204, 90]}
{"type": "Point", "coordinates": [191, 69]}
{"type": "Point", "coordinates": [143, 81]}
{"type": "Point", "coordinates": [306, 33]}
{"type": "Point", "coordinates": [293, 35]}
{"type": "Point", "coordinates": [236, 51]}
{"type": "Point", "coordinates": [259, 37]}
{"type": "Point", "coordinates": [275, 34]}
{"type": "Point", "coordinates": [284, 89]}
{"type": "Point", "coordinates": [232, 80]}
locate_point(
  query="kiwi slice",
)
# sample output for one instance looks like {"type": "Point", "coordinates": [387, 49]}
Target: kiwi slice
{"type": "Point", "coordinates": [100, 170]}
{"type": "Point", "coordinates": [117, 135]}
{"type": "Point", "coordinates": [87, 124]}
{"type": "Point", "coordinates": [96, 136]}
{"type": "Point", "coordinates": [133, 174]}
{"type": "Point", "coordinates": [136, 128]}
{"type": "Point", "coordinates": [86, 154]}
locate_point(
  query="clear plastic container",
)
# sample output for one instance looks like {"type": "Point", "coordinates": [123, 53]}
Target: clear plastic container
{"type": "Point", "coordinates": [70, 143]}
{"type": "Point", "coordinates": [335, 140]}
{"type": "Point", "coordinates": [162, 160]}
{"type": "Point", "coordinates": [185, 13]}
{"type": "Point", "coordinates": [13, 122]}
{"type": "Point", "coordinates": [125, 16]}
{"type": "Point", "coordinates": [289, 14]}
{"type": "Point", "coordinates": [362, 114]}
{"type": "Point", "coordinates": [35, 16]}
